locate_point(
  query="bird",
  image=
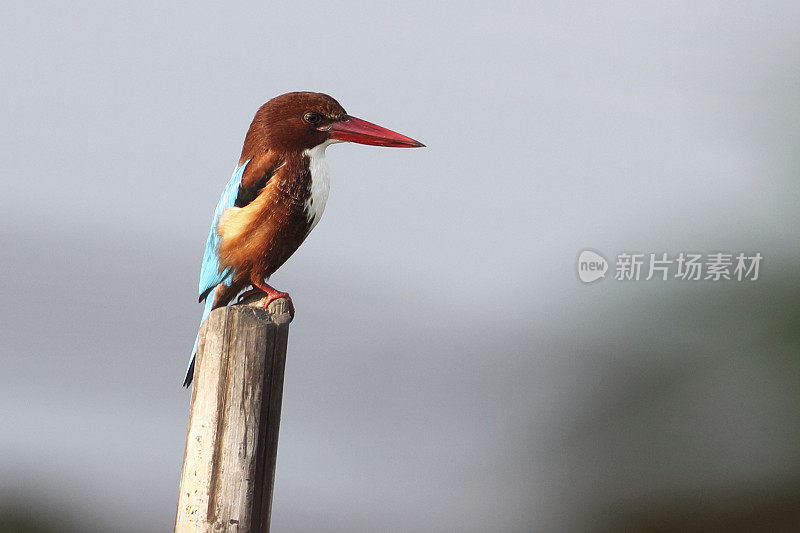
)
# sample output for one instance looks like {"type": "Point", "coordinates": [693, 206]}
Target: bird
{"type": "Point", "coordinates": [276, 195]}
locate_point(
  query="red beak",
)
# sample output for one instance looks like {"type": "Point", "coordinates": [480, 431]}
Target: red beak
{"type": "Point", "coordinates": [360, 131]}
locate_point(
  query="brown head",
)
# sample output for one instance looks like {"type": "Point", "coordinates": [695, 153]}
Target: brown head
{"type": "Point", "coordinates": [302, 120]}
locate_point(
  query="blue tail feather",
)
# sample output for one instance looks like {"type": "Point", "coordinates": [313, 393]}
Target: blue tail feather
{"type": "Point", "coordinates": [206, 311]}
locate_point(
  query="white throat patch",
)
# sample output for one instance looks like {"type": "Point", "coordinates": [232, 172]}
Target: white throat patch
{"type": "Point", "coordinates": [320, 183]}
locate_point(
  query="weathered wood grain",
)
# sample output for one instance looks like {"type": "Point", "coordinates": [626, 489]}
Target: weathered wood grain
{"type": "Point", "coordinates": [232, 440]}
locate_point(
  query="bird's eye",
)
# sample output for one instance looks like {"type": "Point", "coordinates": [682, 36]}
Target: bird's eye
{"type": "Point", "coordinates": [312, 118]}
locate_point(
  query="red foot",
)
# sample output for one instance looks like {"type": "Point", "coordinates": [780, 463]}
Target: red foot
{"type": "Point", "coordinates": [272, 295]}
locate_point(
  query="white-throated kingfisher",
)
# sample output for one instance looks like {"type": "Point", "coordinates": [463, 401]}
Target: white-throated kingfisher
{"type": "Point", "coordinates": [277, 194]}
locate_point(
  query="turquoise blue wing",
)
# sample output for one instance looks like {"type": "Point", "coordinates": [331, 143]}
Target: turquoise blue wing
{"type": "Point", "coordinates": [210, 275]}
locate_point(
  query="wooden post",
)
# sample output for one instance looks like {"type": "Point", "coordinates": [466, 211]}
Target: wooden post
{"type": "Point", "coordinates": [232, 440]}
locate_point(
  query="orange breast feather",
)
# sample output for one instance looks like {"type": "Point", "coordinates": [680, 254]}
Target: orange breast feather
{"type": "Point", "coordinates": [257, 238]}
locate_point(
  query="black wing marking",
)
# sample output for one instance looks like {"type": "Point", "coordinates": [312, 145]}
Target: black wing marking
{"type": "Point", "coordinates": [249, 193]}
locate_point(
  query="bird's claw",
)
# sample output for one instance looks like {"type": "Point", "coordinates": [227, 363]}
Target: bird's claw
{"type": "Point", "coordinates": [271, 296]}
{"type": "Point", "coordinates": [277, 296]}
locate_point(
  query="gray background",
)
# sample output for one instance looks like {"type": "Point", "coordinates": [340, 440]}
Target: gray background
{"type": "Point", "coordinates": [446, 369]}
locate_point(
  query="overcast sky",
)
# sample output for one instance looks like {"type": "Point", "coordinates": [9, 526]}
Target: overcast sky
{"type": "Point", "coordinates": [443, 350]}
